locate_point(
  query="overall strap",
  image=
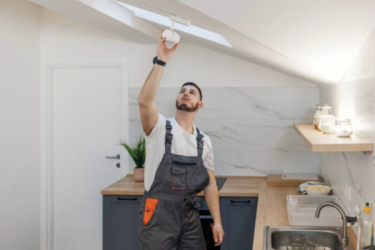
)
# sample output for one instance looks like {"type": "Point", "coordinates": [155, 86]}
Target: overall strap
{"type": "Point", "coordinates": [199, 142]}
{"type": "Point", "coordinates": [168, 137]}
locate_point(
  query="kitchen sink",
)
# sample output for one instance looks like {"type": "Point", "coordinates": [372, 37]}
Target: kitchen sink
{"type": "Point", "coordinates": [277, 237]}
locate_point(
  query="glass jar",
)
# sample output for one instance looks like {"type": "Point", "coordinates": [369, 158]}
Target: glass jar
{"type": "Point", "coordinates": [316, 116]}
{"type": "Point", "coordinates": [327, 125]}
{"type": "Point", "coordinates": [326, 111]}
{"type": "Point", "coordinates": [343, 127]}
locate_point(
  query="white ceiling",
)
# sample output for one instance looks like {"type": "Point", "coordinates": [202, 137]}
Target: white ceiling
{"type": "Point", "coordinates": [314, 40]}
{"type": "Point", "coordinates": [321, 35]}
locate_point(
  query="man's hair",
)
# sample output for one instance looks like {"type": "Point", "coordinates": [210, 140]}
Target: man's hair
{"type": "Point", "coordinates": [195, 85]}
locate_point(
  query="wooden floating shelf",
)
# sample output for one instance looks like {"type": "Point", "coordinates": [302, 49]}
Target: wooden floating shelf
{"type": "Point", "coordinates": [319, 142]}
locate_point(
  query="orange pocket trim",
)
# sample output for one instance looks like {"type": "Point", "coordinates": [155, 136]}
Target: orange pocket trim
{"type": "Point", "coordinates": [149, 209]}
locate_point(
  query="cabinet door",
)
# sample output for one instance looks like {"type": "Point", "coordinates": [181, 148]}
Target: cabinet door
{"type": "Point", "coordinates": [121, 222]}
{"type": "Point", "coordinates": [238, 218]}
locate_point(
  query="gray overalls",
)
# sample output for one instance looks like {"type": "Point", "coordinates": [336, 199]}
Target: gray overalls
{"type": "Point", "coordinates": [169, 219]}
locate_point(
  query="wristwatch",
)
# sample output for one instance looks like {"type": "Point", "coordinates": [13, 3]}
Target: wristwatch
{"type": "Point", "coordinates": [160, 62]}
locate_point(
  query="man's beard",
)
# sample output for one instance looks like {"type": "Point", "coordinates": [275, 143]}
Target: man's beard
{"type": "Point", "coordinates": [185, 107]}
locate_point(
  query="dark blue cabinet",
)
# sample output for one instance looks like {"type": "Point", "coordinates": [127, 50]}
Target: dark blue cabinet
{"type": "Point", "coordinates": [238, 218]}
{"type": "Point", "coordinates": [121, 222]}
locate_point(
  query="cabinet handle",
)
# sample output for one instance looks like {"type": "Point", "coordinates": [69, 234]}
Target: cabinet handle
{"type": "Point", "coordinates": [205, 217]}
{"type": "Point", "coordinates": [126, 199]}
{"type": "Point", "coordinates": [232, 201]}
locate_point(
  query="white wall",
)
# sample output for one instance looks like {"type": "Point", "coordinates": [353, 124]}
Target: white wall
{"type": "Point", "coordinates": [19, 119]}
{"type": "Point", "coordinates": [363, 64]}
{"type": "Point", "coordinates": [352, 174]}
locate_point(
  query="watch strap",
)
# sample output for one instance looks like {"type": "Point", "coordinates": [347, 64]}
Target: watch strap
{"type": "Point", "coordinates": [160, 62]}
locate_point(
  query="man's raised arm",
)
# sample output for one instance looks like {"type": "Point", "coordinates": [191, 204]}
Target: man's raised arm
{"type": "Point", "coordinates": [147, 106]}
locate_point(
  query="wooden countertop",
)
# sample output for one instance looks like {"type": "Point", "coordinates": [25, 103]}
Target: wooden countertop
{"type": "Point", "coordinates": [271, 209]}
{"type": "Point", "coordinates": [125, 186]}
{"type": "Point", "coordinates": [239, 186]}
{"type": "Point", "coordinates": [271, 199]}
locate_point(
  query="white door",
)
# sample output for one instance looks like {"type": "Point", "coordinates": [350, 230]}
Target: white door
{"type": "Point", "coordinates": [86, 116]}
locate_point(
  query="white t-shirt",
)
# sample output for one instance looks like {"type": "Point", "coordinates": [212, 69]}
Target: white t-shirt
{"type": "Point", "coordinates": [183, 143]}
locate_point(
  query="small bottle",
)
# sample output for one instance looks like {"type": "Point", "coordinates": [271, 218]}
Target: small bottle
{"type": "Point", "coordinates": [366, 226]}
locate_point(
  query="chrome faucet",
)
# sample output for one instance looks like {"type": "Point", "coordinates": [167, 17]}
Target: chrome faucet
{"type": "Point", "coordinates": [344, 239]}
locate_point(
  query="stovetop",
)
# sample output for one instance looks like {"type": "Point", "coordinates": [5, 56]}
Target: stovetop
{"type": "Point", "coordinates": [220, 182]}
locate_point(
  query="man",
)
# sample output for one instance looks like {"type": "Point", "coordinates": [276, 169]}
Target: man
{"type": "Point", "coordinates": [179, 164]}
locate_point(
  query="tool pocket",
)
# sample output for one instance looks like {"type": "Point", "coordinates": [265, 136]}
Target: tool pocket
{"type": "Point", "coordinates": [178, 177]}
{"type": "Point", "coordinates": [150, 206]}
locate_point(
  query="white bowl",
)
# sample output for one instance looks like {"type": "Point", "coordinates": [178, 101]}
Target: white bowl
{"type": "Point", "coordinates": [318, 190]}
{"type": "Point", "coordinates": [327, 128]}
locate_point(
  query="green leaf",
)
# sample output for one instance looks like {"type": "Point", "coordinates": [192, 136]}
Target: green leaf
{"type": "Point", "coordinates": [137, 152]}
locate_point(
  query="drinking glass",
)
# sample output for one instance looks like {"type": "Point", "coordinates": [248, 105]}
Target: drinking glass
{"type": "Point", "coordinates": [296, 242]}
{"type": "Point", "coordinates": [310, 242]}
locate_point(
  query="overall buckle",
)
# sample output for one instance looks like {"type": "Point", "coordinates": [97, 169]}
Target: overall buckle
{"type": "Point", "coordinates": [200, 144]}
{"type": "Point", "coordinates": [168, 138]}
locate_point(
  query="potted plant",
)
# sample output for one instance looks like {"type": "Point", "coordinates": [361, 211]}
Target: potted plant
{"type": "Point", "coordinates": [138, 154]}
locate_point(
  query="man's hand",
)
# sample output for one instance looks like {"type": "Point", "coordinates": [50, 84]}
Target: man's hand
{"type": "Point", "coordinates": [163, 53]}
{"type": "Point", "coordinates": [218, 233]}
{"type": "Point", "coordinates": [212, 199]}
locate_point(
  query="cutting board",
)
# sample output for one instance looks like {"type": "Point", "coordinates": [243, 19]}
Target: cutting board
{"type": "Point", "coordinates": [277, 180]}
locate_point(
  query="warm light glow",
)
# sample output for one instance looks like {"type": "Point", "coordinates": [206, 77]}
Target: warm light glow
{"type": "Point", "coordinates": [192, 30]}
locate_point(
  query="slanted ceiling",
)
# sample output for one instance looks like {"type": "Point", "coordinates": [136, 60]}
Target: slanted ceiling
{"type": "Point", "coordinates": [313, 40]}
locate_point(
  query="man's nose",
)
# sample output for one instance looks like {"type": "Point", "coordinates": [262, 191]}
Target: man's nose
{"type": "Point", "coordinates": [185, 94]}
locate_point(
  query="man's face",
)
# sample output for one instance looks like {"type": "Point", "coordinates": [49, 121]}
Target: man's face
{"type": "Point", "coordinates": [188, 99]}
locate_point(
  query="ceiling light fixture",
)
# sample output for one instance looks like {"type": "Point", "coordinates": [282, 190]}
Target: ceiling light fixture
{"type": "Point", "coordinates": [171, 36]}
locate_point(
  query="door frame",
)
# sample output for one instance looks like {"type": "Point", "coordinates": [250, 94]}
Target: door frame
{"type": "Point", "coordinates": [48, 65]}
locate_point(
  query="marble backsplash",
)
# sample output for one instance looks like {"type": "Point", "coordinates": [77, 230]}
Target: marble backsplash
{"type": "Point", "coordinates": [352, 174]}
{"type": "Point", "coordinates": [251, 128]}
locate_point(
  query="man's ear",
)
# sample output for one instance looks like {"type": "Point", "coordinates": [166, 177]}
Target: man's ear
{"type": "Point", "coordinates": [200, 105]}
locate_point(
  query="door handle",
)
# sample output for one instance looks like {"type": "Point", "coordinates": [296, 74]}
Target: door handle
{"type": "Point", "coordinates": [113, 157]}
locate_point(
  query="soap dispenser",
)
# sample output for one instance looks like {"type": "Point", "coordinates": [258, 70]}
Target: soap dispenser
{"type": "Point", "coordinates": [366, 226]}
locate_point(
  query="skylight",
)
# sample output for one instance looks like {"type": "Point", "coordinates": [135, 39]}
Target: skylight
{"type": "Point", "coordinates": [193, 30]}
